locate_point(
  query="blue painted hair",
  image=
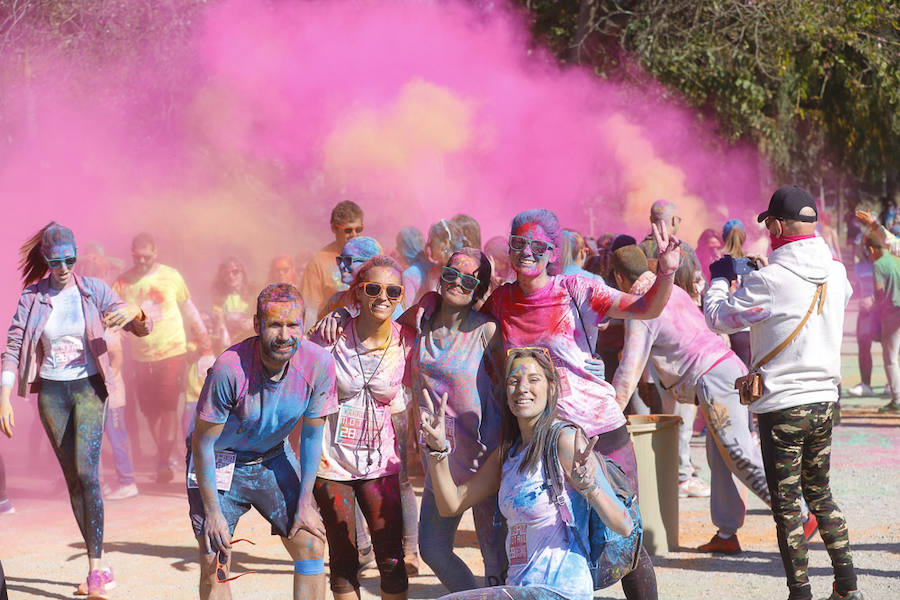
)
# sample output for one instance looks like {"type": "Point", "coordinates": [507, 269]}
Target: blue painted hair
{"type": "Point", "coordinates": [544, 217]}
{"type": "Point", "coordinates": [361, 247]}
{"type": "Point", "coordinates": [729, 225]}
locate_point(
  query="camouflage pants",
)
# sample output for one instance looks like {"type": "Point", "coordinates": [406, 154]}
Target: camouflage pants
{"type": "Point", "coordinates": [796, 450]}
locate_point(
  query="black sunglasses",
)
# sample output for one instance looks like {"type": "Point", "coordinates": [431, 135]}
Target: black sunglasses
{"type": "Point", "coordinates": [373, 290]}
{"type": "Point", "coordinates": [345, 262]}
{"type": "Point", "coordinates": [468, 282]}
{"type": "Point", "coordinates": [538, 247]}
{"type": "Point", "coordinates": [55, 263]}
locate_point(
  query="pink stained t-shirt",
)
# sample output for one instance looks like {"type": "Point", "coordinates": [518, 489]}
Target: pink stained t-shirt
{"type": "Point", "coordinates": [358, 442]}
{"type": "Point", "coordinates": [550, 318]}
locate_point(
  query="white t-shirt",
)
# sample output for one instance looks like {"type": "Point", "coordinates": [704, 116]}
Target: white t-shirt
{"type": "Point", "coordinates": [358, 442]}
{"type": "Point", "coordinates": [67, 356]}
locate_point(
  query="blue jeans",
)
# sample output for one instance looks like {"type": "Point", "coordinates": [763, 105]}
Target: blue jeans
{"type": "Point", "coordinates": [436, 535]}
{"type": "Point", "coordinates": [121, 447]}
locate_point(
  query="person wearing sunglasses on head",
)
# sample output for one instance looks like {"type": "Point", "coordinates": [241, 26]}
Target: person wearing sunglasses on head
{"type": "Point", "coordinates": [364, 449]}
{"type": "Point", "coordinates": [254, 395]}
{"type": "Point", "coordinates": [547, 558]}
{"type": "Point", "coordinates": [561, 312]}
{"type": "Point", "coordinates": [160, 359]}
{"type": "Point", "coordinates": [55, 344]}
{"type": "Point", "coordinates": [459, 353]}
{"type": "Point", "coordinates": [321, 278]}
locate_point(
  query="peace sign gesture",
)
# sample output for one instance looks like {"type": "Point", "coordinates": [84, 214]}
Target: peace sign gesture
{"type": "Point", "coordinates": [668, 253]}
{"type": "Point", "coordinates": [584, 467]}
{"type": "Point", "coordinates": [432, 427]}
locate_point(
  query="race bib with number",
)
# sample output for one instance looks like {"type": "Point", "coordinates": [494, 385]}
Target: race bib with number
{"type": "Point", "coordinates": [518, 544]}
{"type": "Point", "coordinates": [351, 423]}
{"type": "Point", "coordinates": [67, 352]}
{"type": "Point", "coordinates": [225, 462]}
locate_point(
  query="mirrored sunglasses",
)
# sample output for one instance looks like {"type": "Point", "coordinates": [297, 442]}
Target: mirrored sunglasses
{"type": "Point", "coordinates": [373, 290]}
{"type": "Point", "coordinates": [538, 247]}
{"type": "Point", "coordinates": [468, 282]}
{"type": "Point", "coordinates": [55, 263]}
{"type": "Point", "coordinates": [349, 230]}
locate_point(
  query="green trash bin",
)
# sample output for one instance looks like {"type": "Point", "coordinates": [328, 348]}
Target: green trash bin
{"type": "Point", "coordinates": [655, 439]}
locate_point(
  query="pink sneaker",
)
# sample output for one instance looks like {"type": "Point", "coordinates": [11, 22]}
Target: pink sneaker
{"type": "Point", "coordinates": [106, 575]}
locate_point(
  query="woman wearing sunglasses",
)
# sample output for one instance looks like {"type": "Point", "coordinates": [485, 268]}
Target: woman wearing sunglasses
{"type": "Point", "coordinates": [55, 343]}
{"type": "Point", "coordinates": [233, 302]}
{"type": "Point", "coordinates": [360, 457]}
{"type": "Point", "coordinates": [561, 313]}
{"type": "Point", "coordinates": [546, 556]}
{"type": "Point", "coordinates": [460, 353]}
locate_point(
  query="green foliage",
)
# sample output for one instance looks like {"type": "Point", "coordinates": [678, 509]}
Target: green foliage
{"type": "Point", "coordinates": [815, 84]}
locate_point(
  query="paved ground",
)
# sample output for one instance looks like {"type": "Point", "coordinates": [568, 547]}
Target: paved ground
{"type": "Point", "coordinates": [148, 539]}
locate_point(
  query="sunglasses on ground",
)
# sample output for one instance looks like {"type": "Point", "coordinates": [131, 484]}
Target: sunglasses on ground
{"type": "Point", "coordinates": [222, 564]}
{"type": "Point", "coordinates": [538, 247]}
{"type": "Point", "coordinates": [373, 290]}
{"type": "Point", "coordinates": [468, 282]}
{"type": "Point", "coordinates": [345, 262]}
{"type": "Point", "coordinates": [55, 263]}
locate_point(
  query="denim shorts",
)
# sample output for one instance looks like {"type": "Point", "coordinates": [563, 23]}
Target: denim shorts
{"type": "Point", "coordinates": [271, 487]}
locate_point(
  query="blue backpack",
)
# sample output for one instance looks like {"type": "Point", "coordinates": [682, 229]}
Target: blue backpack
{"type": "Point", "coordinates": [610, 556]}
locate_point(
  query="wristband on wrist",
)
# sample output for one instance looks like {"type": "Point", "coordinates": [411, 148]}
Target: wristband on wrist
{"type": "Point", "coordinates": [7, 379]}
{"type": "Point", "coordinates": [669, 273]}
{"type": "Point", "coordinates": [438, 455]}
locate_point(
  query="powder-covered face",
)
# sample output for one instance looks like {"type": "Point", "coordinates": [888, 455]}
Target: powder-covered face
{"type": "Point", "coordinates": [439, 251]}
{"type": "Point", "coordinates": [61, 273]}
{"type": "Point", "coordinates": [280, 330]}
{"type": "Point", "coordinates": [454, 293]}
{"type": "Point", "coordinates": [526, 388]}
{"type": "Point", "coordinates": [379, 308]}
{"type": "Point", "coordinates": [144, 258]}
{"type": "Point", "coordinates": [524, 262]}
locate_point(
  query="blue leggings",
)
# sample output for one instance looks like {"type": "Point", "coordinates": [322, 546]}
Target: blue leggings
{"type": "Point", "coordinates": [72, 413]}
{"type": "Point", "coordinates": [436, 536]}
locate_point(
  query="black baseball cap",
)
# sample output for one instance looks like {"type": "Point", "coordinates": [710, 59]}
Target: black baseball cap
{"type": "Point", "coordinates": [789, 202]}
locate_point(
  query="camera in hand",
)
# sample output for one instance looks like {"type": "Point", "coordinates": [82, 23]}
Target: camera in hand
{"type": "Point", "coordinates": [743, 265]}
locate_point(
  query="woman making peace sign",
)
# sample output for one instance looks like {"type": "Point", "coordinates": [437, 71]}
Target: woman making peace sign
{"type": "Point", "coordinates": [544, 561]}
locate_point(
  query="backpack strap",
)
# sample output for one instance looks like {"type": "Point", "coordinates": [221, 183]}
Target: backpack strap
{"type": "Point", "coordinates": [553, 474]}
{"type": "Point", "coordinates": [819, 298]}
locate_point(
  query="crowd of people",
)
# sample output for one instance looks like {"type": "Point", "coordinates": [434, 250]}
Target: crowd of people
{"type": "Point", "coordinates": [311, 399]}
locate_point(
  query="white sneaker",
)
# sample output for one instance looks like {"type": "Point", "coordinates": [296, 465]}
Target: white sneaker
{"type": "Point", "coordinates": [7, 508]}
{"type": "Point", "coordinates": [122, 492]}
{"type": "Point", "coordinates": [860, 389]}
{"type": "Point", "coordinates": [693, 488]}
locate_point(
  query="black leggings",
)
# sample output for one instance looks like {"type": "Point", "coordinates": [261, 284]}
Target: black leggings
{"type": "Point", "coordinates": [72, 414]}
{"type": "Point", "coordinates": [379, 500]}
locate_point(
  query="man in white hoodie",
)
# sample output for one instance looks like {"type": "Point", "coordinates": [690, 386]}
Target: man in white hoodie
{"type": "Point", "coordinates": [800, 381]}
